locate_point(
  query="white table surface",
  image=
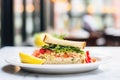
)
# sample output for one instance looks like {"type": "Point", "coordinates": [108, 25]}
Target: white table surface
{"type": "Point", "coordinates": [107, 71]}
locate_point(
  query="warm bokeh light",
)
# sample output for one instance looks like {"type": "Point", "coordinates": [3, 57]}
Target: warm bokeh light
{"type": "Point", "coordinates": [59, 1]}
{"type": "Point", "coordinates": [68, 7]}
{"type": "Point", "coordinates": [30, 8]}
{"type": "Point", "coordinates": [90, 9]}
{"type": "Point", "coordinates": [109, 9]}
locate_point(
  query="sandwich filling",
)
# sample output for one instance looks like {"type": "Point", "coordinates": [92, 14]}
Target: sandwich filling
{"type": "Point", "coordinates": [61, 48]}
{"type": "Point", "coordinates": [59, 54]}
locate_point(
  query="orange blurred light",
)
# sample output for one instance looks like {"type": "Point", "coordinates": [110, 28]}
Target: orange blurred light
{"type": "Point", "coordinates": [90, 9]}
{"type": "Point", "coordinates": [110, 9]}
{"type": "Point", "coordinates": [30, 8]}
{"type": "Point", "coordinates": [62, 1]}
{"type": "Point", "coordinates": [104, 9]}
{"type": "Point", "coordinates": [53, 1]}
{"type": "Point", "coordinates": [68, 7]}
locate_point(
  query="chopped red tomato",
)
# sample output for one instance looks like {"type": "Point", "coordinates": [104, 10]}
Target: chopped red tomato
{"type": "Point", "coordinates": [36, 53]}
{"type": "Point", "coordinates": [42, 51]}
{"type": "Point", "coordinates": [88, 58]}
{"type": "Point", "coordinates": [48, 51]}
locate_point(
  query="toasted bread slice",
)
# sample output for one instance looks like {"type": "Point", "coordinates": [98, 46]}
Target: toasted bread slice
{"type": "Point", "coordinates": [51, 40]}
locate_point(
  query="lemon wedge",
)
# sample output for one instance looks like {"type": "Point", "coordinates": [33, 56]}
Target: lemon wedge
{"type": "Point", "coordinates": [38, 40]}
{"type": "Point", "coordinates": [25, 58]}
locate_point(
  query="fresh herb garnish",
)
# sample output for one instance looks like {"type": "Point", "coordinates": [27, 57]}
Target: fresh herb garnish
{"type": "Point", "coordinates": [61, 48]}
{"type": "Point", "coordinates": [62, 36]}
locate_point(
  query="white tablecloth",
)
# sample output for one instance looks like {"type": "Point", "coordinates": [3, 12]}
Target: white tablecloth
{"type": "Point", "coordinates": [107, 71]}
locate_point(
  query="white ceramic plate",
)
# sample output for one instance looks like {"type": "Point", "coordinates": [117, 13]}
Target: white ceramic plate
{"type": "Point", "coordinates": [59, 68]}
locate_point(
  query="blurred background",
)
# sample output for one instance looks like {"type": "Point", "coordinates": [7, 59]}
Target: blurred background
{"type": "Point", "coordinates": [95, 21]}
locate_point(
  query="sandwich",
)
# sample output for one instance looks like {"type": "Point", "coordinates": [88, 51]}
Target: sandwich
{"type": "Point", "coordinates": [57, 51]}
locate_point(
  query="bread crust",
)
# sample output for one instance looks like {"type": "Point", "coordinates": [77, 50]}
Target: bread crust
{"type": "Point", "coordinates": [51, 40]}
